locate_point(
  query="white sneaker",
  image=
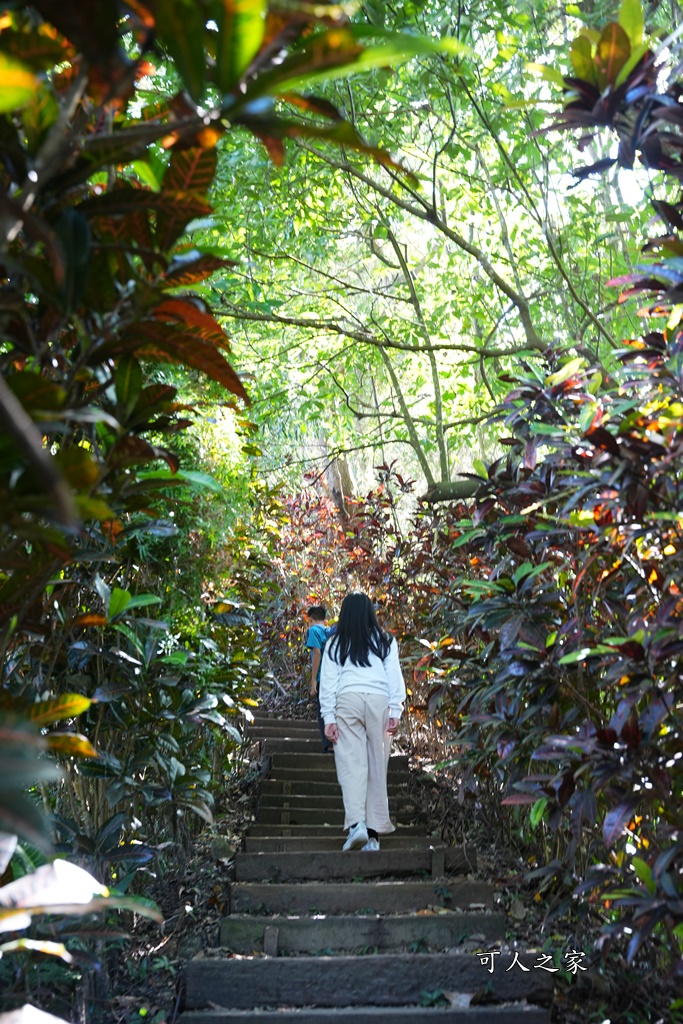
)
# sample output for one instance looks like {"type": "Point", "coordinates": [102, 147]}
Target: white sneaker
{"type": "Point", "coordinates": [372, 844]}
{"type": "Point", "coordinates": [358, 836]}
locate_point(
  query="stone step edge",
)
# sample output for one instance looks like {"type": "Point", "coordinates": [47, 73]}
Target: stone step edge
{"type": "Point", "coordinates": [386, 980]}
{"type": "Point", "coordinates": [501, 1013]}
{"type": "Point", "coordinates": [348, 934]}
{"type": "Point", "coordinates": [367, 896]}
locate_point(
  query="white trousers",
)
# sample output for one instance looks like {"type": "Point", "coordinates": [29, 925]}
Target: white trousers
{"type": "Point", "coordinates": [361, 757]}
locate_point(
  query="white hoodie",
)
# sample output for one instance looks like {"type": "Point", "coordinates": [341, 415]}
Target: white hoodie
{"type": "Point", "coordinates": [378, 677]}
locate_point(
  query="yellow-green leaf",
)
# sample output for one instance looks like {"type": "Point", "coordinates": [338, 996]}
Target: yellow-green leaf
{"type": "Point", "coordinates": [581, 56]}
{"type": "Point", "coordinates": [118, 602]}
{"type": "Point", "coordinates": [18, 84]}
{"type": "Point", "coordinates": [548, 73]}
{"type": "Point", "coordinates": [631, 20]}
{"type": "Point", "coordinates": [78, 466]}
{"type": "Point", "coordinates": [93, 508]}
{"type": "Point", "coordinates": [566, 371]}
{"type": "Point", "coordinates": [44, 712]}
{"type": "Point", "coordinates": [71, 744]}
{"type": "Point", "coordinates": [241, 25]}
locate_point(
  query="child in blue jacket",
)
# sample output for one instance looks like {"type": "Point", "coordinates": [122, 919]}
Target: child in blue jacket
{"type": "Point", "coordinates": [316, 638]}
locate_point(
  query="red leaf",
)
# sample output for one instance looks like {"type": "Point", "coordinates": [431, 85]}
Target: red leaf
{"type": "Point", "coordinates": [185, 311]}
{"type": "Point", "coordinates": [615, 821]}
{"type": "Point", "coordinates": [190, 271]}
{"type": "Point", "coordinates": [190, 170]}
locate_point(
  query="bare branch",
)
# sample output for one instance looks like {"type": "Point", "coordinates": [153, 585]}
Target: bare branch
{"type": "Point", "coordinates": [333, 327]}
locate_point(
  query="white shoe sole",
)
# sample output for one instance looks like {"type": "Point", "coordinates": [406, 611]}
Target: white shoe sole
{"type": "Point", "coordinates": [358, 841]}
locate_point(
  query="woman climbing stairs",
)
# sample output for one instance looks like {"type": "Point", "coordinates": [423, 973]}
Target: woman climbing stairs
{"type": "Point", "coordinates": [317, 934]}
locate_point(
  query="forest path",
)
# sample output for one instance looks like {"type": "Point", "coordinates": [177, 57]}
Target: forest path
{"type": "Point", "coordinates": [317, 934]}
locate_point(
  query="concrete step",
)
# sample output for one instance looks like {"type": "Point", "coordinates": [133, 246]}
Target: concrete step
{"type": "Point", "coordinates": [303, 731]}
{"type": "Point", "coordinates": [324, 830]}
{"type": "Point", "coordinates": [329, 865]}
{"type": "Point", "coordinates": [328, 776]}
{"type": "Point", "coordinates": [307, 787]}
{"type": "Point", "coordinates": [287, 724]}
{"type": "Point", "coordinates": [313, 762]}
{"type": "Point", "coordinates": [351, 897]}
{"type": "Point", "coordinates": [334, 935]}
{"type": "Point", "coordinates": [291, 745]}
{"type": "Point", "coordinates": [295, 843]}
{"type": "Point", "coordinates": [309, 802]}
{"type": "Point", "coordinates": [300, 816]}
{"type": "Point", "coordinates": [382, 980]}
{"type": "Point", "coordinates": [327, 815]}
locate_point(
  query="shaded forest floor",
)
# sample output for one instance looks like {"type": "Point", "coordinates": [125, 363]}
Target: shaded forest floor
{"type": "Point", "coordinates": [145, 982]}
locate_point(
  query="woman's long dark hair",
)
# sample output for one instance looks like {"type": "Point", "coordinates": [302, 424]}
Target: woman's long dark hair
{"type": "Point", "coordinates": [358, 632]}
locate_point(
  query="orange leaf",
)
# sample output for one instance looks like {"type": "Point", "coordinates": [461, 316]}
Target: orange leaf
{"type": "Point", "coordinates": [91, 619]}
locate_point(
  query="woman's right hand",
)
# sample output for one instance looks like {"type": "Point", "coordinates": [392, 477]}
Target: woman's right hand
{"type": "Point", "coordinates": [392, 726]}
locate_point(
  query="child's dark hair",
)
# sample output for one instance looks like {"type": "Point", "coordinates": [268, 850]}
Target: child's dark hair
{"type": "Point", "coordinates": [358, 632]}
{"type": "Point", "coordinates": [317, 611]}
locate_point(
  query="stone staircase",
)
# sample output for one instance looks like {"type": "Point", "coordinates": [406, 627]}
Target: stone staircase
{"type": "Point", "coordinates": [315, 934]}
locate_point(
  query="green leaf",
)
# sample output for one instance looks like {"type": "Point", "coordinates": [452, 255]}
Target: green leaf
{"type": "Point", "coordinates": [644, 873]}
{"type": "Point", "coordinates": [73, 230]}
{"type": "Point", "coordinates": [118, 602]}
{"type": "Point", "coordinates": [480, 469]}
{"type": "Point", "coordinates": [176, 658]}
{"type": "Point", "coordinates": [147, 174]}
{"type": "Point", "coordinates": [538, 810]}
{"type": "Point", "coordinates": [180, 27]}
{"type": "Point", "coordinates": [39, 116]}
{"type": "Point", "coordinates": [241, 25]}
{"type": "Point", "coordinates": [129, 382]}
{"type": "Point", "coordinates": [18, 85]}
{"type": "Point", "coordinates": [202, 481]}
{"type": "Point", "coordinates": [142, 601]}
{"type": "Point", "coordinates": [44, 712]}
{"type": "Point", "coordinates": [631, 20]}
{"type": "Point", "coordinates": [574, 656]}
{"type": "Point", "coordinates": [340, 53]}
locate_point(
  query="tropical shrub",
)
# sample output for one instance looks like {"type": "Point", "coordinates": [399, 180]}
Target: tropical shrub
{"type": "Point", "coordinates": [111, 119]}
{"type": "Point", "coordinates": [570, 698]}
